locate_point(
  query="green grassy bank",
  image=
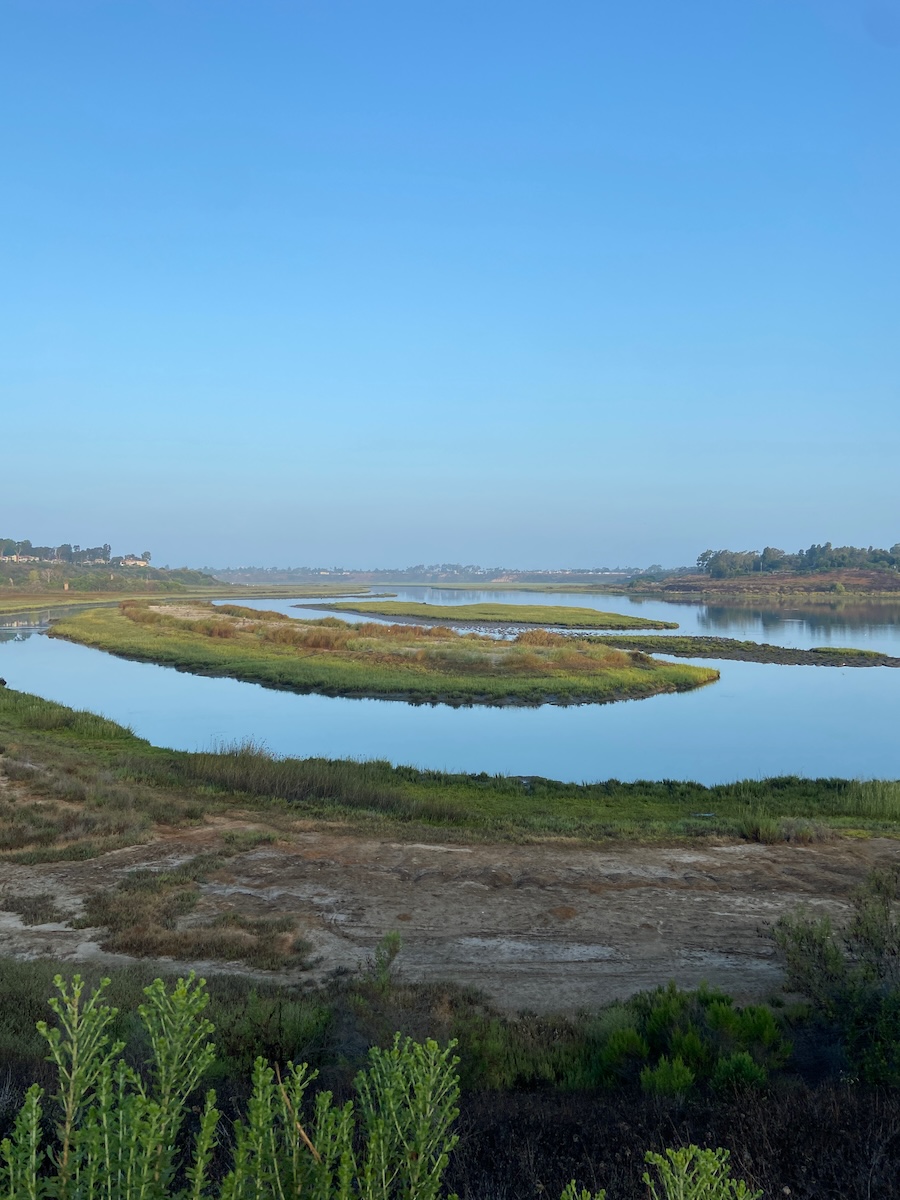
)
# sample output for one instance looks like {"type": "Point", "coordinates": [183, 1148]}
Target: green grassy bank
{"type": "Point", "coordinates": [37, 601]}
{"type": "Point", "coordinates": [413, 663]}
{"type": "Point", "coordinates": [542, 615]}
{"type": "Point", "coordinates": [93, 785]}
{"type": "Point", "coordinates": [761, 652]}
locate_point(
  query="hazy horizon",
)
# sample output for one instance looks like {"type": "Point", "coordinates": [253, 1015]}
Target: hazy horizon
{"type": "Point", "coordinates": [304, 283]}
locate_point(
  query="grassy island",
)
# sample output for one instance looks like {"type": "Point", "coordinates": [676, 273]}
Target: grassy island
{"type": "Point", "coordinates": [761, 652]}
{"type": "Point", "coordinates": [542, 615]}
{"type": "Point", "coordinates": [415, 663]}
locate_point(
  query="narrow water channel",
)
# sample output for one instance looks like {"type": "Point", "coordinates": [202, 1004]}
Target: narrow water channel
{"type": "Point", "coordinates": [758, 720]}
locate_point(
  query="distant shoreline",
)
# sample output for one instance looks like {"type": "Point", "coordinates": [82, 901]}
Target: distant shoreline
{"type": "Point", "coordinates": [777, 588]}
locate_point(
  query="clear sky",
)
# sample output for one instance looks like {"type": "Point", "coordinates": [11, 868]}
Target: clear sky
{"type": "Point", "coordinates": [375, 282]}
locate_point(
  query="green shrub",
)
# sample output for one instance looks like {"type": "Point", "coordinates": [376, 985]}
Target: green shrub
{"type": "Point", "coordinates": [385, 955]}
{"type": "Point", "coordinates": [670, 1078]}
{"type": "Point", "coordinates": [124, 1134]}
{"type": "Point", "coordinates": [120, 1134]}
{"type": "Point", "coordinates": [703, 1028]}
{"type": "Point", "coordinates": [624, 1050]}
{"type": "Point", "coordinates": [692, 1050]}
{"type": "Point", "coordinates": [571, 1192]}
{"type": "Point", "coordinates": [851, 977]}
{"type": "Point", "coordinates": [694, 1174]}
{"type": "Point", "coordinates": [738, 1072]}
{"type": "Point", "coordinates": [500, 1054]}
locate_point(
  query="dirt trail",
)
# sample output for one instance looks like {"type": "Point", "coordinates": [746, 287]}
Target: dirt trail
{"type": "Point", "coordinates": [537, 927]}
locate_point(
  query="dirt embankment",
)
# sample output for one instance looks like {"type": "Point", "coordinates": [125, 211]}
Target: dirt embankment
{"type": "Point", "coordinates": [545, 928]}
{"type": "Point", "coordinates": [775, 584]}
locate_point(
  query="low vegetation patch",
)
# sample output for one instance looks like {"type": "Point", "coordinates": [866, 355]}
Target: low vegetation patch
{"type": "Point", "coordinates": [132, 1064]}
{"type": "Point", "coordinates": [115, 1125]}
{"type": "Point", "coordinates": [761, 652]}
{"type": "Point", "coordinates": [558, 616]}
{"type": "Point", "coordinates": [37, 908]}
{"type": "Point", "coordinates": [850, 976]}
{"type": "Point", "coordinates": [666, 1042]}
{"type": "Point", "coordinates": [150, 914]}
{"type": "Point", "coordinates": [407, 662]}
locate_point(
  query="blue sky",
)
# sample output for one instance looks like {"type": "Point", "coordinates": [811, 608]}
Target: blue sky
{"type": "Point", "coordinates": [324, 282]}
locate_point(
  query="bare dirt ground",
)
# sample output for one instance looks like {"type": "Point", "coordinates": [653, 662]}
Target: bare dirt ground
{"type": "Point", "coordinates": [545, 928]}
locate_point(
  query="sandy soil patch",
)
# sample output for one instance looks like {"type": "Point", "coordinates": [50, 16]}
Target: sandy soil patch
{"type": "Point", "coordinates": [536, 927]}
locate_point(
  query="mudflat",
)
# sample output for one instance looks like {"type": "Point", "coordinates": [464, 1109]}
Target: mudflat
{"type": "Point", "coordinates": [550, 927]}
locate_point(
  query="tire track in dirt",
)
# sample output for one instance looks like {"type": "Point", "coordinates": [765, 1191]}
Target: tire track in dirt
{"type": "Point", "coordinates": [541, 927]}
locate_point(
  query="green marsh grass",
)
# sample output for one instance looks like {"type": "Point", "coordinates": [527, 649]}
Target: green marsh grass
{"type": "Point", "coordinates": [559, 616]}
{"type": "Point", "coordinates": [74, 793]}
{"type": "Point", "coordinates": [762, 652]}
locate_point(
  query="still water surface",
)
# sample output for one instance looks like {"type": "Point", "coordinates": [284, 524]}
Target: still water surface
{"type": "Point", "coordinates": [759, 719]}
{"type": "Point", "coordinates": [863, 626]}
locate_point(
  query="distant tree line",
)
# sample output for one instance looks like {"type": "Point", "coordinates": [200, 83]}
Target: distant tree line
{"type": "Point", "coordinates": [726, 564]}
{"type": "Point", "coordinates": [74, 555]}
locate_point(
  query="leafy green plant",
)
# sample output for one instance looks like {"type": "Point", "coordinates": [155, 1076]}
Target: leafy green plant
{"type": "Point", "coordinates": [572, 1192]}
{"type": "Point", "coordinates": [670, 1078]}
{"type": "Point", "coordinates": [385, 956]}
{"type": "Point", "coordinates": [694, 1174]}
{"type": "Point", "coordinates": [738, 1072]}
{"type": "Point", "coordinates": [120, 1133]}
{"type": "Point", "coordinates": [702, 1030]}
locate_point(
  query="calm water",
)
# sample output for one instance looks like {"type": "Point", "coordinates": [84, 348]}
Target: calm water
{"type": "Point", "coordinates": [760, 719]}
{"type": "Point", "coordinates": [866, 627]}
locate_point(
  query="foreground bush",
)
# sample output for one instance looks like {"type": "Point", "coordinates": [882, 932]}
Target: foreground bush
{"type": "Point", "coordinates": [852, 976]}
{"type": "Point", "coordinates": [121, 1134]}
{"type": "Point", "coordinates": [670, 1041]}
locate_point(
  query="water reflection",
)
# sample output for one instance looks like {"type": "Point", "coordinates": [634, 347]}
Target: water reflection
{"type": "Point", "coordinates": [15, 627]}
{"type": "Point", "coordinates": [816, 622]}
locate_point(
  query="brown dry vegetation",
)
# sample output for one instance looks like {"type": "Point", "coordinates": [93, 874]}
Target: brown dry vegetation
{"type": "Point", "coordinates": [151, 914]}
{"type": "Point", "coordinates": [772, 585]}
